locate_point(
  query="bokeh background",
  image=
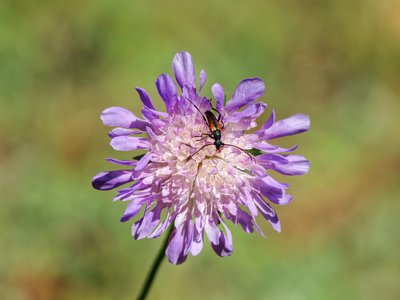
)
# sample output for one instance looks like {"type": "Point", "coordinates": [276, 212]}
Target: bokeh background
{"type": "Point", "coordinates": [63, 62]}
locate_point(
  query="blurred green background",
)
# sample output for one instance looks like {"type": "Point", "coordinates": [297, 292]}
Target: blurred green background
{"type": "Point", "coordinates": [63, 62]}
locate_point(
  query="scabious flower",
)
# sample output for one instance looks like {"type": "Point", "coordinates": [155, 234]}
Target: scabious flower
{"type": "Point", "coordinates": [183, 180]}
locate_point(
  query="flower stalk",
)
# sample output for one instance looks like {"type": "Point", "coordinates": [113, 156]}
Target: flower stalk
{"type": "Point", "coordinates": [154, 268]}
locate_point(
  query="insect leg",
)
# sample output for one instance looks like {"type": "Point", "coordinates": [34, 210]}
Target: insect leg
{"type": "Point", "coordinates": [203, 136]}
{"type": "Point", "coordinates": [190, 157]}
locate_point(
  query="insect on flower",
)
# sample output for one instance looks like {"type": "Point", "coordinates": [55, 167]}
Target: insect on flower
{"type": "Point", "coordinates": [190, 184]}
{"type": "Point", "coordinates": [214, 124]}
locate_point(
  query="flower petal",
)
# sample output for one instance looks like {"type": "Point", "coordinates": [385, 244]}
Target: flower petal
{"type": "Point", "coordinates": [245, 220]}
{"type": "Point", "coordinates": [269, 213]}
{"type": "Point", "coordinates": [176, 246]}
{"type": "Point", "coordinates": [295, 124]}
{"type": "Point", "coordinates": [245, 119]}
{"type": "Point", "coordinates": [285, 164]}
{"type": "Point", "coordinates": [121, 117]}
{"type": "Point", "coordinates": [128, 193]}
{"type": "Point", "coordinates": [132, 210]}
{"type": "Point", "coordinates": [122, 162]}
{"type": "Point", "coordinates": [135, 195]}
{"type": "Point", "coordinates": [111, 179]}
{"type": "Point", "coordinates": [156, 118]}
{"type": "Point", "coordinates": [184, 69]}
{"type": "Point", "coordinates": [266, 160]}
{"type": "Point", "coordinates": [145, 98]}
{"type": "Point", "coordinates": [272, 148]}
{"type": "Point", "coordinates": [253, 111]}
{"type": "Point", "coordinates": [224, 246]}
{"type": "Point", "coordinates": [219, 95]}
{"type": "Point", "coordinates": [163, 225]}
{"type": "Point", "coordinates": [197, 244]}
{"type": "Point", "coordinates": [269, 122]}
{"type": "Point", "coordinates": [212, 231]}
{"type": "Point", "coordinates": [122, 131]}
{"type": "Point", "coordinates": [144, 161]}
{"type": "Point", "coordinates": [146, 225]}
{"type": "Point", "coordinates": [203, 78]}
{"type": "Point", "coordinates": [272, 189]}
{"type": "Point", "coordinates": [128, 143]}
{"type": "Point", "coordinates": [142, 164]}
{"type": "Point", "coordinates": [247, 91]}
{"type": "Point", "coordinates": [167, 90]}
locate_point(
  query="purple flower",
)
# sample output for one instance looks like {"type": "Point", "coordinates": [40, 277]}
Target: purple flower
{"type": "Point", "coordinates": [183, 180]}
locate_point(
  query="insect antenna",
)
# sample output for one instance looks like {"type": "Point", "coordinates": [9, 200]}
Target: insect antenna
{"type": "Point", "coordinates": [190, 157]}
{"type": "Point", "coordinates": [251, 157]}
{"type": "Point", "coordinates": [204, 118]}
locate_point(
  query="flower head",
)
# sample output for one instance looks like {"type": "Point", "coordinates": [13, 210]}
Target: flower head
{"type": "Point", "coordinates": [200, 168]}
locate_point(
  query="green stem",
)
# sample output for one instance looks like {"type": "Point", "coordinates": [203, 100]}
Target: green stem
{"type": "Point", "coordinates": [153, 271]}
